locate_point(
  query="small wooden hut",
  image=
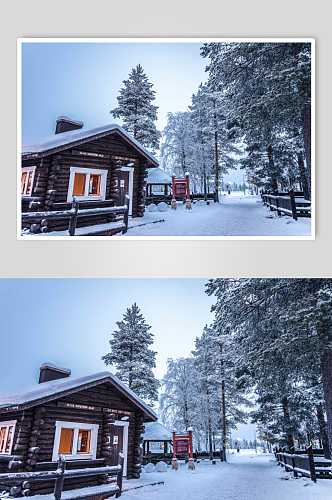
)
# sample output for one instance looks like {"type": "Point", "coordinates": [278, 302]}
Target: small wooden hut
{"type": "Point", "coordinates": [89, 419]}
{"type": "Point", "coordinates": [99, 165]}
{"type": "Point", "coordinates": [159, 185]}
{"type": "Point", "coordinates": [157, 442]}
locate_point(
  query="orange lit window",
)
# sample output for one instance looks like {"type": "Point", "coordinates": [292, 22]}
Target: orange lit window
{"type": "Point", "coordinates": [94, 185]}
{"type": "Point", "coordinates": [23, 181]}
{"type": "Point", "coordinates": [27, 180]}
{"type": "Point", "coordinates": [29, 183]}
{"type": "Point", "coordinates": [6, 436]}
{"type": "Point", "coordinates": [9, 439]}
{"type": "Point", "coordinates": [83, 443]}
{"type": "Point", "coordinates": [3, 431]}
{"type": "Point", "coordinates": [79, 185]}
{"type": "Point", "coordinates": [66, 440]}
{"type": "Point", "coordinates": [77, 440]}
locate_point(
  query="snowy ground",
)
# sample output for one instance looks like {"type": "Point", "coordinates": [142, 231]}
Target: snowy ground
{"type": "Point", "coordinates": [246, 476]}
{"type": "Point", "coordinates": [235, 215]}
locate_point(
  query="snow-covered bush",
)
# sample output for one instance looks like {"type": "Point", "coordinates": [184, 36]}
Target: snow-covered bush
{"type": "Point", "coordinates": [152, 207]}
{"type": "Point", "coordinates": [150, 468]}
{"type": "Point", "coordinates": [161, 467]}
{"type": "Point", "coordinates": [162, 207]}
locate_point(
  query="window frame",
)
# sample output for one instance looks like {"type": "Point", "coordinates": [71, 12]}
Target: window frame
{"type": "Point", "coordinates": [28, 169]}
{"type": "Point", "coordinates": [8, 423]}
{"type": "Point", "coordinates": [76, 426]}
{"type": "Point", "coordinates": [87, 171]}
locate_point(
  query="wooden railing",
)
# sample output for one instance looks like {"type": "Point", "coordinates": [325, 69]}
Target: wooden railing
{"type": "Point", "coordinates": [74, 213]}
{"type": "Point", "coordinates": [291, 203]}
{"type": "Point", "coordinates": [60, 474]}
{"type": "Point", "coordinates": [305, 463]}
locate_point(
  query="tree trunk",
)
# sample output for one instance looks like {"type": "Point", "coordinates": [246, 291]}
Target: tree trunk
{"type": "Point", "coordinates": [216, 197]}
{"type": "Point", "coordinates": [223, 408]}
{"type": "Point", "coordinates": [271, 169]}
{"type": "Point", "coordinates": [303, 176]}
{"type": "Point", "coordinates": [289, 436]}
{"type": "Point", "coordinates": [327, 386]}
{"type": "Point", "coordinates": [323, 432]}
{"type": "Point", "coordinates": [306, 125]}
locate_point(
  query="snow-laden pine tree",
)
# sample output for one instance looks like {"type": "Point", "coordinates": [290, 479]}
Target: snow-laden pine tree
{"type": "Point", "coordinates": [131, 355]}
{"type": "Point", "coordinates": [136, 109]}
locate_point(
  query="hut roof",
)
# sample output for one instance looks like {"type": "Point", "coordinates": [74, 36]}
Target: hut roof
{"type": "Point", "coordinates": [55, 389]}
{"type": "Point", "coordinates": [58, 142]}
{"type": "Point", "coordinates": [158, 176]}
{"type": "Point", "coordinates": [154, 431]}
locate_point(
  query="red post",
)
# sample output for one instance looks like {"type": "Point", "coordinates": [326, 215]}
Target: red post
{"type": "Point", "coordinates": [174, 454]}
{"type": "Point", "coordinates": [173, 188]}
{"type": "Point", "coordinates": [187, 178]}
{"type": "Point", "coordinates": [190, 443]}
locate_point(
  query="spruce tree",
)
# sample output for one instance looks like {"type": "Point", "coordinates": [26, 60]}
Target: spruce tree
{"type": "Point", "coordinates": [131, 355]}
{"type": "Point", "coordinates": [136, 109]}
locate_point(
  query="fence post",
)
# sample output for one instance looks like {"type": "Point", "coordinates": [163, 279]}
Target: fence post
{"type": "Point", "coordinates": [59, 480]}
{"type": "Point", "coordinates": [293, 204]}
{"type": "Point", "coordinates": [126, 215]}
{"type": "Point", "coordinates": [277, 205]}
{"type": "Point", "coordinates": [73, 218]}
{"type": "Point", "coordinates": [311, 464]}
{"type": "Point", "coordinates": [119, 479]}
{"type": "Point", "coordinates": [292, 450]}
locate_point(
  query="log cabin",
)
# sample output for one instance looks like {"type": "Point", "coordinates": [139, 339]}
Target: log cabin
{"type": "Point", "coordinates": [89, 419]}
{"type": "Point", "coordinates": [99, 165]}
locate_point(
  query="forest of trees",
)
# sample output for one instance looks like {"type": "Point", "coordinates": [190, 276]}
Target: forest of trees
{"type": "Point", "coordinates": [201, 391]}
{"type": "Point", "coordinates": [254, 111]}
{"type": "Point", "coordinates": [280, 333]}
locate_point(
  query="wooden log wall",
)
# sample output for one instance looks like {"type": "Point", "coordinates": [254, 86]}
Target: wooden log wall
{"type": "Point", "coordinates": [35, 433]}
{"type": "Point", "coordinates": [53, 172]}
{"type": "Point", "coordinates": [20, 451]}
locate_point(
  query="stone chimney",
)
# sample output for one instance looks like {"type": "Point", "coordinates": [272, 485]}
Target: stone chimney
{"type": "Point", "coordinates": [48, 372]}
{"type": "Point", "coordinates": [64, 124]}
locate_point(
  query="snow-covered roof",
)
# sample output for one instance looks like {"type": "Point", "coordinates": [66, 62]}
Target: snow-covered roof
{"type": "Point", "coordinates": [158, 176]}
{"type": "Point", "coordinates": [39, 146]}
{"type": "Point", "coordinates": [154, 431]}
{"type": "Point", "coordinates": [11, 401]}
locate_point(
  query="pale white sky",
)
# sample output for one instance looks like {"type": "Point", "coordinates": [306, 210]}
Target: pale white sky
{"type": "Point", "coordinates": [69, 322]}
{"type": "Point", "coordinates": [82, 81]}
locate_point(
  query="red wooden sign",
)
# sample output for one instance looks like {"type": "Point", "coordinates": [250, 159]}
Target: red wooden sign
{"type": "Point", "coordinates": [182, 445]}
{"type": "Point", "coordinates": [180, 187]}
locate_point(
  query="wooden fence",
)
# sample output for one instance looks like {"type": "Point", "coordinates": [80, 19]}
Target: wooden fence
{"type": "Point", "coordinates": [291, 203]}
{"type": "Point", "coordinates": [60, 475]}
{"type": "Point", "coordinates": [167, 457]}
{"type": "Point", "coordinates": [74, 213]}
{"type": "Point", "coordinates": [310, 462]}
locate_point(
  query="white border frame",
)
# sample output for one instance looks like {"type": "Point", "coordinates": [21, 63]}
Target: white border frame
{"type": "Point", "coordinates": [28, 169]}
{"type": "Point", "coordinates": [87, 172]}
{"type": "Point", "coordinates": [76, 426]}
{"type": "Point", "coordinates": [125, 425]}
{"type": "Point", "coordinates": [202, 40]}
{"type": "Point", "coordinates": [7, 424]}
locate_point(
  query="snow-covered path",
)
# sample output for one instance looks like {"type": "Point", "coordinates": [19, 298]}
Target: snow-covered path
{"type": "Point", "coordinates": [235, 215]}
{"type": "Point", "coordinates": [246, 476]}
